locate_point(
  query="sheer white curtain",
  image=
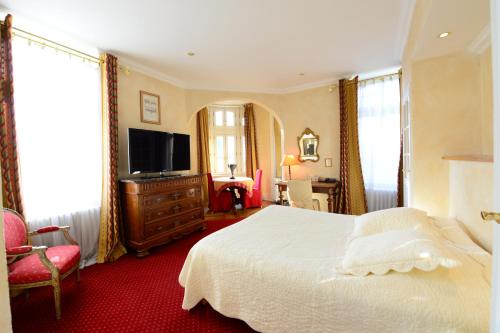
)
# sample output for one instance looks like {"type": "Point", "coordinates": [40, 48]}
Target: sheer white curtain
{"type": "Point", "coordinates": [58, 121]}
{"type": "Point", "coordinates": [379, 139]}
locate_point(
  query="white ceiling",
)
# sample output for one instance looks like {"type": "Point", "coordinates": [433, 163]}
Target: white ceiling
{"type": "Point", "coordinates": [247, 45]}
{"type": "Point", "coordinates": [467, 20]}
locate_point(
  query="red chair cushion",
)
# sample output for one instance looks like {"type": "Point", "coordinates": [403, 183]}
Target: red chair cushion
{"type": "Point", "coordinates": [46, 229]}
{"type": "Point", "coordinates": [19, 250]}
{"type": "Point", "coordinates": [30, 269]}
{"type": "Point", "coordinates": [14, 230]}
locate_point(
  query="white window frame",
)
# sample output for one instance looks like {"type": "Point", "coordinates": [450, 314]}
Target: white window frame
{"type": "Point", "coordinates": [237, 131]}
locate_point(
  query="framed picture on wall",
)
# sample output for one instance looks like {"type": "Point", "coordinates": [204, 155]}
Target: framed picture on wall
{"type": "Point", "coordinates": [150, 108]}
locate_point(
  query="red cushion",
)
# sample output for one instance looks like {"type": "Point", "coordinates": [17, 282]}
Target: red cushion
{"type": "Point", "coordinates": [30, 269]}
{"type": "Point", "coordinates": [46, 229]}
{"type": "Point", "coordinates": [14, 230]}
{"type": "Point", "coordinates": [19, 249]}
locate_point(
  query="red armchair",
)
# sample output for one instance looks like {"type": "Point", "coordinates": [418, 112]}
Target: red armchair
{"type": "Point", "coordinates": [37, 266]}
{"type": "Point", "coordinates": [218, 203]}
{"type": "Point", "coordinates": [255, 200]}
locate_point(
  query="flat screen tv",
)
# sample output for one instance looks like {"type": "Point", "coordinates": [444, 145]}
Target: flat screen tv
{"type": "Point", "coordinates": [155, 151]}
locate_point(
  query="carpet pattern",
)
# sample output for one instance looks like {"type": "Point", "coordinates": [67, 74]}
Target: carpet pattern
{"type": "Point", "coordinates": [129, 295]}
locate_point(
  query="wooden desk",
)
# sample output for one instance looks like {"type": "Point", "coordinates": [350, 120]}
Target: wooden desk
{"type": "Point", "coordinates": [332, 189]}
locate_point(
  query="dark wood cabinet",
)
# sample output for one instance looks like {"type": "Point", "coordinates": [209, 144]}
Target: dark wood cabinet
{"type": "Point", "coordinates": [158, 210]}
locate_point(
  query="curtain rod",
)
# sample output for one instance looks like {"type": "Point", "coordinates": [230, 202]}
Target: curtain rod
{"type": "Point", "coordinates": [54, 45]}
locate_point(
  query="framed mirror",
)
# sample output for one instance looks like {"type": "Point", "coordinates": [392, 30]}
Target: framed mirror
{"type": "Point", "coordinates": [308, 146]}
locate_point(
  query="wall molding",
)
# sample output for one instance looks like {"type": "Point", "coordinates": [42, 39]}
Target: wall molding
{"type": "Point", "coordinates": [329, 82]}
{"type": "Point", "coordinates": [149, 71]}
{"type": "Point", "coordinates": [405, 27]}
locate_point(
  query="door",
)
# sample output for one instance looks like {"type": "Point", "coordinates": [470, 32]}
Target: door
{"type": "Point", "coordinates": [495, 49]}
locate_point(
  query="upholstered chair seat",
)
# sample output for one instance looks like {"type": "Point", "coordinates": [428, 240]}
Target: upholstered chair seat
{"type": "Point", "coordinates": [30, 269]}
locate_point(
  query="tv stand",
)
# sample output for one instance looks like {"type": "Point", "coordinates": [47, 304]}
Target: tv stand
{"type": "Point", "coordinates": [161, 209]}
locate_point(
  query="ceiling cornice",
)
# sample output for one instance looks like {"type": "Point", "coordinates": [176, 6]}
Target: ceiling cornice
{"type": "Point", "coordinates": [146, 70]}
{"type": "Point", "coordinates": [405, 26]}
{"type": "Point", "coordinates": [481, 42]}
{"type": "Point", "coordinates": [151, 72]}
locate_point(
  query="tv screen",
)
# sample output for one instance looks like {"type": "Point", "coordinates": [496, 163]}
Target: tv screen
{"type": "Point", "coordinates": [155, 151]}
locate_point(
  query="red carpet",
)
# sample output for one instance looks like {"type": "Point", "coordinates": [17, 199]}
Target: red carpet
{"type": "Point", "coordinates": [129, 295]}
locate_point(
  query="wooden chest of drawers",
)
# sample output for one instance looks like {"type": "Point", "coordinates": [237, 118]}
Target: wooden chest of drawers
{"type": "Point", "coordinates": [158, 210]}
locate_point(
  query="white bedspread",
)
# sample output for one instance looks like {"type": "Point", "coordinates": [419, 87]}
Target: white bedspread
{"type": "Point", "coordinates": [276, 270]}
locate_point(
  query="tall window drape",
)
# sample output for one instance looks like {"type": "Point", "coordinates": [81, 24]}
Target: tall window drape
{"type": "Point", "coordinates": [400, 195]}
{"type": "Point", "coordinates": [110, 245]}
{"type": "Point", "coordinates": [352, 192]}
{"type": "Point", "coordinates": [379, 139]}
{"type": "Point", "coordinates": [11, 191]}
{"type": "Point", "coordinates": [203, 148]}
{"type": "Point", "coordinates": [251, 159]}
{"type": "Point", "coordinates": [58, 118]}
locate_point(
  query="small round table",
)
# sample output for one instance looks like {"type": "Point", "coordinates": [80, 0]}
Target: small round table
{"type": "Point", "coordinates": [236, 184]}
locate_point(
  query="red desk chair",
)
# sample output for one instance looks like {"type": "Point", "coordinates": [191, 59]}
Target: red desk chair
{"type": "Point", "coordinates": [218, 203]}
{"type": "Point", "coordinates": [255, 201]}
{"type": "Point", "coordinates": [37, 266]}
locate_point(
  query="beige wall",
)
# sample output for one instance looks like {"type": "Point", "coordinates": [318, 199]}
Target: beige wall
{"type": "Point", "coordinates": [319, 110]}
{"type": "Point", "coordinates": [471, 192]}
{"type": "Point", "coordinates": [172, 107]}
{"type": "Point", "coordinates": [486, 76]}
{"type": "Point", "coordinates": [316, 108]}
{"type": "Point", "coordinates": [446, 109]}
{"type": "Point", "coordinates": [450, 103]}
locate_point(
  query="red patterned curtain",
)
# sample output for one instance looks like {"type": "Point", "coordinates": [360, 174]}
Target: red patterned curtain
{"type": "Point", "coordinates": [11, 190]}
{"type": "Point", "coordinates": [110, 245]}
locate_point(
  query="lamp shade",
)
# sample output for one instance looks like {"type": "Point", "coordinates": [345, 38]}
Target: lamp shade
{"type": "Point", "coordinates": [289, 159]}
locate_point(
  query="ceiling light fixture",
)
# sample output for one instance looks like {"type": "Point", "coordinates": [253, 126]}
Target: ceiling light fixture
{"type": "Point", "coordinates": [191, 54]}
{"type": "Point", "coordinates": [444, 34]}
{"type": "Point", "coordinates": [301, 74]}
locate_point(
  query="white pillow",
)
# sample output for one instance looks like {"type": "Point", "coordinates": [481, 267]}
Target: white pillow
{"type": "Point", "coordinates": [399, 250]}
{"type": "Point", "coordinates": [388, 219]}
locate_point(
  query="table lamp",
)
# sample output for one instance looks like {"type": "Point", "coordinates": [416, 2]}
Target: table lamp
{"type": "Point", "coordinates": [289, 160]}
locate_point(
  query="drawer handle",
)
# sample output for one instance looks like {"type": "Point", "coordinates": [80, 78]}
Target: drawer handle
{"type": "Point", "coordinates": [177, 208]}
{"type": "Point", "coordinates": [159, 228]}
{"type": "Point", "coordinates": [176, 195]}
{"type": "Point", "coordinates": [160, 213]}
{"type": "Point", "coordinates": [176, 223]}
{"type": "Point", "coordinates": [159, 200]}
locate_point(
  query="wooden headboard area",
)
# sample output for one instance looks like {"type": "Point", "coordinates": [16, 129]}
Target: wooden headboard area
{"type": "Point", "coordinates": [471, 190]}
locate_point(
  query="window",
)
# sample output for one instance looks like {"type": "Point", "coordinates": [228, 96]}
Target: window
{"type": "Point", "coordinates": [379, 139]}
{"type": "Point", "coordinates": [58, 120]}
{"type": "Point", "coordinates": [227, 141]}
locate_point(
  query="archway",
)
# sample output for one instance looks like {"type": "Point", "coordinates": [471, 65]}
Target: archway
{"type": "Point", "coordinates": [270, 139]}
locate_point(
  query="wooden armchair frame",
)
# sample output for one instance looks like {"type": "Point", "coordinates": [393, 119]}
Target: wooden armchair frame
{"type": "Point", "coordinates": [56, 277]}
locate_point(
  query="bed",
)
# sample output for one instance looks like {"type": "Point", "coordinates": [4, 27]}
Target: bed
{"type": "Point", "coordinates": [278, 271]}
